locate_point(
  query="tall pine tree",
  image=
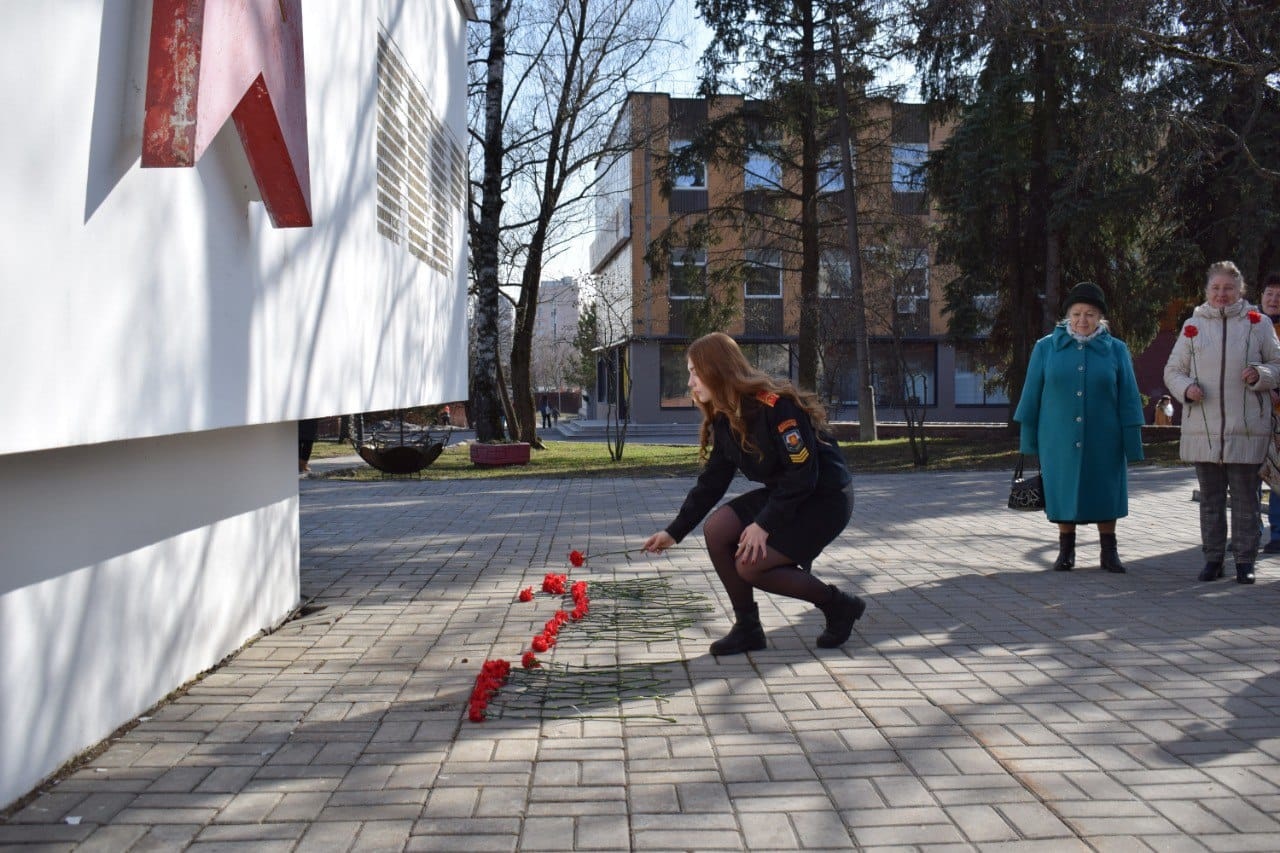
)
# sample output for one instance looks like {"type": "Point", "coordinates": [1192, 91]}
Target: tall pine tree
{"type": "Point", "coordinates": [1047, 178]}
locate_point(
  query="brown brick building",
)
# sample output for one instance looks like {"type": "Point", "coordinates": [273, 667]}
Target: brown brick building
{"type": "Point", "coordinates": [647, 313]}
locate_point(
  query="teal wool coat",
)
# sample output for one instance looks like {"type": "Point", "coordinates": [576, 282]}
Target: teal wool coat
{"type": "Point", "coordinates": [1081, 412]}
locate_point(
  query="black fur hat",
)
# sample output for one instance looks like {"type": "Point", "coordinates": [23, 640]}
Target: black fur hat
{"type": "Point", "coordinates": [1087, 292]}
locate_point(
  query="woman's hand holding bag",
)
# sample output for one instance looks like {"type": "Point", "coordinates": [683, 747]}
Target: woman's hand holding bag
{"type": "Point", "coordinates": [1025, 493]}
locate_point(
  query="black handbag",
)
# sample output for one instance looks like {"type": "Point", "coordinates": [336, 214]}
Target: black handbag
{"type": "Point", "coordinates": [1028, 492]}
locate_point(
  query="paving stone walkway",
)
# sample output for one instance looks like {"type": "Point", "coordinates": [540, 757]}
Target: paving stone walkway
{"type": "Point", "coordinates": [984, 703]}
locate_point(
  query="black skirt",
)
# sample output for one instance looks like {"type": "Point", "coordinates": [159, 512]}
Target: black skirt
{"type": "Point", "coordinates": [817, 522]}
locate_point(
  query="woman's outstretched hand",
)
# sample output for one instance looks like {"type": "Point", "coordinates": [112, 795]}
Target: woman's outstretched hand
{"type": "Point", "coordinates": [658, 542]}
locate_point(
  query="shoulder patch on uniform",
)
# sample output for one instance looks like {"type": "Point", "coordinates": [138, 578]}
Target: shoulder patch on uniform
{"type": "Point", "coordinates": [767, 397]}
{"type": "Point", "coordinates": [801, 457]}
{"type": "Point", "coordinates": [786, 425]}
{"type": "Point", "coordinates": [793, 442]}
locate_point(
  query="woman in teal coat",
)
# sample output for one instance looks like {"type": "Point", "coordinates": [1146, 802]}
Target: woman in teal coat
{"type": "Point", "coordinates": [1081, 412]}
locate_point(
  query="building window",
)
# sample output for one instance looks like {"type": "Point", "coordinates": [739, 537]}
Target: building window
{"type": "Point", "coordinates": [835, 275]}
{"type": "Point", "coordinates": [773, 359]}
{"type": "Point", "coordinates": [687, 273]}
{"type": "Point", "coordinates": [831, 170]}
{"type": "Point", "coordinates": [762, 172]}
{"type": "Point", "coordinates": [972, 378]}
{"type": "Point", "coordinates": [688, 173]}
{"type": "Point", "coordinates": [911, 377]}
{"type": "Point", "coordinates": [911, 292]}
{"type": "Point", "coordinates": [908, 162]}
{"type": "Point", "coordinates": [764, 275]}
{"type": "Point", "coordinates": [673, 377]}
{"type": "Point", "coordinates": [895, 379]}
{"type": "Point", "coordinates": [687, 277]}
{"type": "Point", "coordinates": [762, 294]}
{"type": "Point", "coordinates": [837, 375]}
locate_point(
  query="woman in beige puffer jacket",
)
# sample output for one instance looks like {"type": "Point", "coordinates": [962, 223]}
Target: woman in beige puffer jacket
{"type": "Point", "coordinates": [1223, 364]}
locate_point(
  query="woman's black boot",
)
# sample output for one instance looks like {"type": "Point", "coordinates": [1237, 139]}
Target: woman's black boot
{"type": "Point", "coordinates": [1110, 554]}
{"type": "Point", "coordinates": [1066, 552]}
{"type": "Point", "coordinates": [1244, 573]}
{"type": "Point", "coordinates": [841, 611]}
{"type": "Point", "coordinates": [1211, 572]}
{"type": "Point", "coordinates": [746, 635]}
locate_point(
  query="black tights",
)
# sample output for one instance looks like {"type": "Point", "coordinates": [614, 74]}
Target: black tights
{"type": "Point", "coordinates": [775, 573]}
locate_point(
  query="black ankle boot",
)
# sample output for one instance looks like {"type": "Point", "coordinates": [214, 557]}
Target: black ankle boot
{"type": "Point", "coordinates": [746, 635]}
{"type": "Point", "coordinates": [1111, 556]}
{"type": "Point", "coordinates": [841, 610]}
{"type": "Point", "coordinates": [1211, 572]}
{"type": "Point", "coordinates": [1244, 573]}
{"type": "Point", "coordinates": [1066, 552]}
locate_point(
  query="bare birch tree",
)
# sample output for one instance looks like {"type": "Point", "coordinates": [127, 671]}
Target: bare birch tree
{"type": "Point", "coordinates": [566, 67]}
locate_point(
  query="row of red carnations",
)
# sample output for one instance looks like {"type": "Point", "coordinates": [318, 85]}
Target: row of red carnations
{"type": "Point", "coordinates": [493, 674]}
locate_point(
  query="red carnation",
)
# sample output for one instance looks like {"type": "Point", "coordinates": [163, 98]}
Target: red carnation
{"type": "Point", "coordinates": [528, 661]}
{"type": "Point", "coordinates": [1190, 331]}
{"type": "Point", "coordinates": [553, 583]}
{"type": "Point", "coordinates": [1255, 317]}
{"type": "Point", "coordinates": [577, 558]}
{"type": "Point", "coordinates": [540, 644]}
{"type": "Point", "coordinates": [526, 594]}
{"type": "Point", "coordinates": [493, 674]}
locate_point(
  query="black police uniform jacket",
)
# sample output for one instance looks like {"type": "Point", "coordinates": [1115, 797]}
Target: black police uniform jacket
{"type": "Point", "coordinates": [793, 462]}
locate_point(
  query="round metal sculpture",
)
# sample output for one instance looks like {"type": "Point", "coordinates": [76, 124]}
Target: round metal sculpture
{"type": "Point", "coordinates": [398, 448]}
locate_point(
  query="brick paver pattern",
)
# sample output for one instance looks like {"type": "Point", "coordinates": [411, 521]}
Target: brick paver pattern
{"type": "Point", "coordinates": [983, 703]}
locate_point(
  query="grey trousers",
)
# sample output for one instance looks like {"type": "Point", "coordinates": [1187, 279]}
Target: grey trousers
{"type": "Point", "coordinates": [1215, 482]}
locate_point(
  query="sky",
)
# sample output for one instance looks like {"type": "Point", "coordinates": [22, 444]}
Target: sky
{"type": "Point", "coordinates": [680, 78]}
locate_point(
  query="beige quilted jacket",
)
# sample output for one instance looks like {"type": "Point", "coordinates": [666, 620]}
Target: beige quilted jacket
{"type": "Point", "coordinates": [1233, 421]}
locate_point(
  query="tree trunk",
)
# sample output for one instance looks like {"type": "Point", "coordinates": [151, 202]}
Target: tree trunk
{"type": "Point", "coordinates": [861, 345]}
{"type": "Point", "coordinates": [810, 257]}
{"type": "Point", "coordinates": [1053, 238]}
{"type": "Point", "coordinates": [484, 407]}
{"type": "Point", "coordinates": [526, 426]}
{"type": "Point", "coordinates": [505, 396]}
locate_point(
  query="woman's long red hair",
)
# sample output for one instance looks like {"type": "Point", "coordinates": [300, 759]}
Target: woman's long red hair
{"type": "Point", "coordinates": [730, 379]}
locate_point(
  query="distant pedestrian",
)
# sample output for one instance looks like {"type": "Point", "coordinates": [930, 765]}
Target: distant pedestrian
{"type": "Point", "coordinates": [308, 430]}
{"type": "Point", "coordinates": [1081, 412]}
{"type": "Point", "coordinates": [1164, 411]}
{"type": "Point", "coordinates": [1223, 364]}
{"type": "Point", "coordinates": [446, 415]}
{"type": "Point", "coordinates": [544, 408]}
{"type": "Point", "coordinates": [555, 415]}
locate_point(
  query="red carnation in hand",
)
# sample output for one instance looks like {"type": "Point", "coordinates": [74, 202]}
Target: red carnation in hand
{"type": "Point", "coordinates": [528, 661]}
{"type": "Point", "coordinates": [1190, 331]}
{"type": "Point", "coordinates": [577, 559]}
{"type": "Point", "coordinates": [1255, 317]}
{"type": "Point", "coordinates": [526, 594]}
